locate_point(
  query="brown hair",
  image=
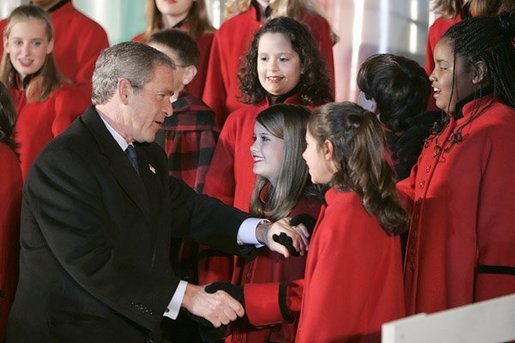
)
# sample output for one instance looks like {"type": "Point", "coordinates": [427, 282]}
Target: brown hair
{"type": "Point", "coordinates": [197, 19]}
{"type": "Point", "coordinates": [287, 122]}
{"type": "Point", "coordinates": [359, 149]}
{"type": "Point", "coordinates": [51, 79]}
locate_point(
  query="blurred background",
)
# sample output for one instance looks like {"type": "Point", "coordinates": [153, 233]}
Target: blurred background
{"type": "Point", "coordinates": [364, 27]}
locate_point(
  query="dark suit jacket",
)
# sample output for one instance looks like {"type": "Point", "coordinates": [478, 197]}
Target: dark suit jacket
{"type": "Point", "coordinates": [94, 263]}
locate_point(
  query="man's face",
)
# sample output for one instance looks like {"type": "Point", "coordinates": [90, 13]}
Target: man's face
{"type": "Point", "coordinates": [147, 106]}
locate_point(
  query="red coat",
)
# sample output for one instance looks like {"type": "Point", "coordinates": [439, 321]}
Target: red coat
{"type": "Point", "coordinates": [38, 122]}
{"type": "Point", "coordinates": [78, 42]}
{"type": "Point", "coordinates": [196, 86]}
{"type": "Point", "coordinates": [232, 41]}
{"type": "Point", "coordinates": [270, 266]}
{"type": "Point", "coordinates": [10, 193]}
{"type": "Point", "coordinates": [464, 200]}
{"type": "Point", "coordinates": [353, 278]}
{"type": "Point", "coordinates": [230, 177]}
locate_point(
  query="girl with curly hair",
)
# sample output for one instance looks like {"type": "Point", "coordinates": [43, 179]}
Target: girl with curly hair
{"type": "Point", "coordinates": [243, 19]}
{"type": "Point", "coordinates": [283, 65]}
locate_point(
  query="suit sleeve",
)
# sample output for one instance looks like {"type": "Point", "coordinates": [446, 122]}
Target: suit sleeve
{"type": "Point", "coordinates": [204, 219]}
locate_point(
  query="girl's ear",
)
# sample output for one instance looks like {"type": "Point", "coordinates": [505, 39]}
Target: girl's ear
{"type": "Point", "coordinates": [480, 72]}
{"type": "Point", "coordinates": [328, 150]}
{"type": "Point", "coordinates": [50, 46]}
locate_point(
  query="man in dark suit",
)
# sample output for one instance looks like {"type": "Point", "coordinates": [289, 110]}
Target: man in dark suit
{"type": "Point", "coordinates": [97, 222]}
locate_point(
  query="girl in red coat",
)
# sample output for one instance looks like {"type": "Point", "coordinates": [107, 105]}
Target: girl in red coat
{"type": "Point", "coordinates": [461, 238]}
{"type": "Point", "coordinates": [231, 41]}
{"type": "Point", "coordinates": [353, 276]}
{"type": "Point", "coordinates": [353, 272]}
{"type": "Point", "coordinates": [283, 65]}
{"type": "Point", "coordinates": [282, 190]}
{"type": "Point", "coordinates": [46, 105]}
{"type": "Point", "coordinates": [187, 15]}
{"type": "Point", "coordinates": [10, 193]}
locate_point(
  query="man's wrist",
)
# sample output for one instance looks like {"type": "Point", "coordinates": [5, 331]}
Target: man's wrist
{"type": "Point", "coordinates": [262, 230]}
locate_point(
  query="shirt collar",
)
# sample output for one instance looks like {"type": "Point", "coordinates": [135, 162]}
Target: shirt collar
{"type": "Point", "coordinates": [117, 137]}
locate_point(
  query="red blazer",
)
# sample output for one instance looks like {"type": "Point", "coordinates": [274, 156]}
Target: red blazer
{"type": "Point", "coordinates": [78, 42]}
{"type": "Point", "coordinates": [10, 193]}
{"type": "Point", "coordinates": [196, 86]}
{"type": "Point", "coordinates": [230, 177]}
{"type": "Point", "coordinates": [352, 283]}
{"type": "Point", "coordinates": [232, 41]}
{"type": "Point", "coordinates": [270, 266]}
{"type": "Point", "coordinates": [38, 122]}
{"type": "Point", "coordinates": [462, 218]}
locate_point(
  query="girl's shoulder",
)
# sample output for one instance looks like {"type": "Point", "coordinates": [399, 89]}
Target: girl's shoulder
{"type": "Point", "coordinates": [337, 199]}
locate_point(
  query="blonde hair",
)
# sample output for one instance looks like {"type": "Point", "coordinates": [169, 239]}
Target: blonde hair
{"type": "Point", "coordinates": [280, 8]}
{"type": "Point", "coordinates": [51, 79]}
{"type": "Point", "coordinates": [198, 19]}
{"type": "Point", "coordinates": [448, 9]}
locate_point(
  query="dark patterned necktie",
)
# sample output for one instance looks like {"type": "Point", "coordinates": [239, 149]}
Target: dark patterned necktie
{"type": "Point", "coordinates": [131, 153]}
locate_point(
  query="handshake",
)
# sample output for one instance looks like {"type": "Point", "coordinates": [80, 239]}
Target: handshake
{"type": "Point", "coordinates": [220, 303]}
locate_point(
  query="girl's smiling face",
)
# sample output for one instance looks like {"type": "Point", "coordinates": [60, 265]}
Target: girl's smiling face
{"type": "Point", "coordinates": [268, 154]}
{"type": "Point", "coordinates": [278, 65]}
{"type": "Point", "coordinates": [453, 77]}
{"type": "Point", "coordinates": [28, 46]}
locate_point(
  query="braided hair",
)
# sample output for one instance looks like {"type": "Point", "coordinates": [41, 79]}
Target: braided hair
{"type": "Point", "coordinates": [489, 39]}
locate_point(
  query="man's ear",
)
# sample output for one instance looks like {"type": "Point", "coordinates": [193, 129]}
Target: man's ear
{"type": "Point", "coordinates": [480, 72]}
{"type": "Point", "coordinates": [124, 89]}
{"type": "Point", "coordinates": [189, 73]}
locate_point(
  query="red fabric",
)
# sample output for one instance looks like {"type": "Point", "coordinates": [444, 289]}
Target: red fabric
{"type": "Point", "coordinates": [10, 193]}
{"type": "Point", "coordinates": [38, 122]}
{"type": "Point", "coordinates": [78, 42]}
{"type": "Point", "coordinates": [353, 275]}
{"type": "Point", "coordinates": [229, 45]}
{"type": "Point", "coordinates": [230, 177]}
{"type": "Point", "coordinates": [464, 201]}
{"type": "Point", "coordinates": [352, 283]}
{"type": "Point", "coordinates": [196, 86]}
{"type": "Point", "coordinates": [268, 267]}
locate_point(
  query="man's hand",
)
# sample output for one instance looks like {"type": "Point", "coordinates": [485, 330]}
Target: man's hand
{"type": "Point", "coordinates": [298, 234]}
{"type": "Point", "coordinates": [218, 308]}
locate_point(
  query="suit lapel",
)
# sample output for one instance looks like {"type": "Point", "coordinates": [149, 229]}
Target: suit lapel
{"type": "Point", "coordinates": [117, 161]}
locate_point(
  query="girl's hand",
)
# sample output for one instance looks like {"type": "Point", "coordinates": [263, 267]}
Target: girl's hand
{"type": "Point", "coordinates": [298, 235]}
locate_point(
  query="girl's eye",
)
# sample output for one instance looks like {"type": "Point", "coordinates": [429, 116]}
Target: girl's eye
{"type": "Point", "coordinates": [263, 58]}
{"type": "Point", "coordinates": [284, 59]}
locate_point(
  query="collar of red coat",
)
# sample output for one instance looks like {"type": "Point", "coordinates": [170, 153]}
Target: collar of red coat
{"type": "Point", "coordinates": [481, 98]}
